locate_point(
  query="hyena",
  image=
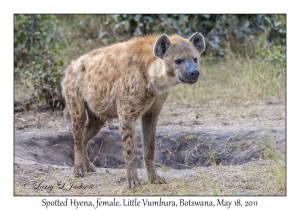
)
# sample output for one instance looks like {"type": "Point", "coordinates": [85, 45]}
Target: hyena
{"type": "Point", "coordinates": [127, 80]}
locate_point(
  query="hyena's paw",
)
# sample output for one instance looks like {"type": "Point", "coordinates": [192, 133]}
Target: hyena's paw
{"type": "Point", "coordinates": [153, 177]}
{"type": "Point", "coordinates": [78, 170]}
{"type": "Point", "coordinates": [156, 179]}
{"type": "Point", "coordinates": [131, 174]}
{"type": "Point", "coordinates": [133, 181]}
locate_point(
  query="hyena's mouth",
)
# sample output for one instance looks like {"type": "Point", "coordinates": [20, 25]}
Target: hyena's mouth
{"type": "Point", "coordinates": [188, 81]}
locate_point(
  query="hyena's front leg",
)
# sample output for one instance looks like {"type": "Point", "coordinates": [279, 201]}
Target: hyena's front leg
{"type": "Point", "coordinates": [78, 118]}
{"type": "Point", "coordinates": [127, 128]}
{"type": "Point", "coordinates": [149, 121]}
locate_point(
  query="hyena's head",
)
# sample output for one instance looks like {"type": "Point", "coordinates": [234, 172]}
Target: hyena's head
{"type": "Point", "coordinates": [180, 56]}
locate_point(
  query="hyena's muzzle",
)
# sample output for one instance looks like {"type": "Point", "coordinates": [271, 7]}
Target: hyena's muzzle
{"type": "Point", "coordinates": [189, 72]}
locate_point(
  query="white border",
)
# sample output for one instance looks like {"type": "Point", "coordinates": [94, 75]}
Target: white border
{"type": "Point", "coordinates": [8, 8]}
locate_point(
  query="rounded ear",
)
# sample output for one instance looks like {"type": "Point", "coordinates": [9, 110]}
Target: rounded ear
{"type": "Point", "coordinates": [161, 46]}
{"type": "Point", "coordinates": [198, 41]}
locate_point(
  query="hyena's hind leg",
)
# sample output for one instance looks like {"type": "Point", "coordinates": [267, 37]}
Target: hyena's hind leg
{"type": "Point", "coordinates": [92, 127]}
{"type": "Point", "coordinates": [84, 126]}
{"type": "Point", "coordinates": [111, 125]}
{"type": "Point", "coordinates": [76, 111]}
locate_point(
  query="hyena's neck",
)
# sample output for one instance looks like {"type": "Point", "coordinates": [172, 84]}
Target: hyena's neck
{"type": "Point", "coordinates": [157, 69]}
{"type": "Point", "coordinates": [158, 79]}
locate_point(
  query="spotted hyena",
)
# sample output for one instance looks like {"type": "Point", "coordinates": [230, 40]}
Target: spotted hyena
{"type": "Point", "coordinates": [127, 80]}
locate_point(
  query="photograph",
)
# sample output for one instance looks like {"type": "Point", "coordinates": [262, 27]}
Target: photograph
{"type": "Point", "coordinates": [159, 105]}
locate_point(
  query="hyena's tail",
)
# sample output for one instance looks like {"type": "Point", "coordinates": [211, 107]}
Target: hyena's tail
{"type": "Point", "coordinates": [67, 117]}
{"type": "Point", "coordinates": [77, 66]}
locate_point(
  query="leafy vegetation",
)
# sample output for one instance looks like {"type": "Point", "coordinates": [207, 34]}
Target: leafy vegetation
{"type": "Point", "coordinates": [237, 33]}
{"type": "Point", "coordinates": [45, 44]}
{"type": "Point", "coordinates": [37, 43]}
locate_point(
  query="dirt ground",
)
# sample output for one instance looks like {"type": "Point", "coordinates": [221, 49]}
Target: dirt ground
{"type": "Point", "coordinates": [209, 117]}
{"type": "Point", "coordinates": [250, 177]}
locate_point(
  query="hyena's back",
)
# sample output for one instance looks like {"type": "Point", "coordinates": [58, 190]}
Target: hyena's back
{"type": "Point", "coordinates": [102, 77]}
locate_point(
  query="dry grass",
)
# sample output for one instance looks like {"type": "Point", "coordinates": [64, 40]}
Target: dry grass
{"type": "Point", "coordinates": [254, 178]}
{"type": "Point", "coordinates": [235, 81]}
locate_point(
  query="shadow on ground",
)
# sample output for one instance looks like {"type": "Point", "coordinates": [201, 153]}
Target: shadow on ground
{"type": "Point", "coordinates": [174, 149]}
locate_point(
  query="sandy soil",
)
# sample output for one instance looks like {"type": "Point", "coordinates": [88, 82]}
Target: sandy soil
{"type": "Point", "coordinates": [244, 179]}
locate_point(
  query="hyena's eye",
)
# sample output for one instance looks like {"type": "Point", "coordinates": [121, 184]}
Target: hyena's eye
{"type": "Point", "coordinates": [179, 61]}
{"type": "Point", "coordinates": [196, 60]}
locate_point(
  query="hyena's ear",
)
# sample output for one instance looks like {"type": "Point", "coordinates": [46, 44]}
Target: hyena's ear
{"type": "Point", "coordinates": [198, 41]}
{"type": "Point", "coordinates": [161, 46]}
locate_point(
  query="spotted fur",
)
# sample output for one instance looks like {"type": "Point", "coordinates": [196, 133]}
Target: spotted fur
{"type": "Point", "coordinates": [127, 80]}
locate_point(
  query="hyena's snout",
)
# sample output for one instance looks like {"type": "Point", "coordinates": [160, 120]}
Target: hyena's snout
{"type": "Point", "coordinates": [191, 74]}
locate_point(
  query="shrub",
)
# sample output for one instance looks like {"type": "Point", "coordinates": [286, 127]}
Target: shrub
{"type": "Point", "coordinates": [237, 33]}
{"type": "Point", "coordinates": [44, 44]}
{"type": "Point", "coordinates": [37, 64]}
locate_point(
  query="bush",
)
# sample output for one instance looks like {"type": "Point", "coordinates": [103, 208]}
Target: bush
{"type": "Point", "coordinates": [237, 33]}
{"type": "Point", "coordinates": [44, 44]}
{"type": "Point", "coordinates": [37, 64]}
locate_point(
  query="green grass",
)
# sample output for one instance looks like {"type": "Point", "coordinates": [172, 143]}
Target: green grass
{"type": "Point", "coordinates": [234, 81]}
{"type": "Point", "coordinates": [277, 171]}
